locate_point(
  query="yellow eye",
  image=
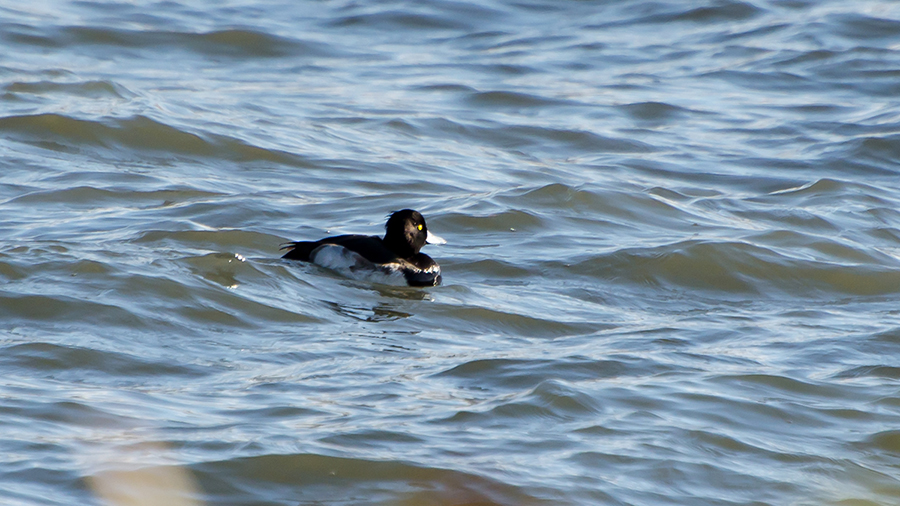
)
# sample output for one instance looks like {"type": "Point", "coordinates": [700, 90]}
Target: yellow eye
{"type": "Point", "coordinates": [419, 227]}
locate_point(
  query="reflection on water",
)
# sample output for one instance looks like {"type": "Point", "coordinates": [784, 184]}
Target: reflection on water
{"type": "Point", "coordinates": [379, 313]}
{"type": "Point", "coordinates": [145, 486]}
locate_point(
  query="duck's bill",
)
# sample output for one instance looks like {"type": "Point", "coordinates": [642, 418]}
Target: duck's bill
{"type": "Point", "coordinates": [433, 239]}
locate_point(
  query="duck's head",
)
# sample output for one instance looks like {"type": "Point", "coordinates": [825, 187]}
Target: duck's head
{"type": "Point", "coordinates": [406, 233]}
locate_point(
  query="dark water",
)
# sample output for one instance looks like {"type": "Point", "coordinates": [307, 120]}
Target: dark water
{"type": "Point", "coordinates": [672, 275]}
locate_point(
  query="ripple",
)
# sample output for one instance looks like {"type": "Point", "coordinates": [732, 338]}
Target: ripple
{"type": "Point", "coordinates": [90, 196]}
{"type": "Point", "coordinates": [886, 441]}
{"type": "Point", "coordinates": [620, 207]}
{"type": "Point", "coordinates": [488, 267]}
{"type": "Point", "coordinates": [654, 111]}
{"type": "Point", "coordinates": [140, 133]}
{"type": "Point", "coordinates": [874, 371]}
{"type": "Point", "coordinates": [482, 319]}
{"type": "Point", "coordinates": [497, 222]}
{"type": "Point", "coordinates": [787, 386]}
{"type": "Point", "coordinates": [863, 27]}
{"type": "Point", "coordinates": [216, 240]}
{"type": "Point", "coordinates": [765, 80]}
{"type": "Point", "coordinates": [726, 11]}
{"type": "Point", "coordinates": [661, 13]}
{"type": "Point", "coordinates": [399, 20]}
{"type": "Point", "coordinates": [30, 307]}
{"type": "Point", "coordinates": [373, 438]}
{"type": "Point", "coordinates": [74, 362]}
{"type": "Point", "coordinates": [88, 89]}
{"type": "Point", "coordinates": [884, 149]}
{"type": "Point", "coordinates": [492, 99]}
{"type": "Point", "coordinates": [333, 479]}
{"type": "Point", "coordinates": [519, 136]}
{"type": "Point", "coordinates": [10, 271]}
{"type": "Point", "coordinates": [523, 373]}
{"type": "Point", "coordinates": [235, 43]}
{"type": "Point", "coordinates": [739, 267]}
{"type": "Point", "coordinates": [826, 188]}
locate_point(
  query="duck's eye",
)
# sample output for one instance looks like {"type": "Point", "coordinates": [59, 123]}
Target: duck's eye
{"type": "Point", "coordinates": [419, 227]}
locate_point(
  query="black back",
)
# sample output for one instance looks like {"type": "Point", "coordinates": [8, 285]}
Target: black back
{"type": "Point", "coordinates": [405, 234]}
{"type": "Point", "coordinates": [371, 248]}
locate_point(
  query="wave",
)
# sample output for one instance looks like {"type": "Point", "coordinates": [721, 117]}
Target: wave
{"type": "Point", "coordinates": [19, 307]}
{"type": "Point", "coordinates": [787, 241]}
{"type": "Point", "coordinates": [235, 43]}
{"type": "Point", "coordinates": [517, 136]}
{"type": "Point", "coordinates": [139, 133]}
{"type": "Point", "coordinates": [74, 362]}
{"type": "Point", "coordinates": [738, 267]}
{"type": "Point", "coordinates": [87, 89]}
{"type": "Point", "coordinates": [508, 373]}
{"type": "Point", "coordinates": [334, 479]}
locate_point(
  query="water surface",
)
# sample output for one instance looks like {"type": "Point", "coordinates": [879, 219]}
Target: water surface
{"type": "Point", "coordinates": [671, 278]}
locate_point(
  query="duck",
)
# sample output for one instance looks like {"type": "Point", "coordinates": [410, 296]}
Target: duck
{"type": "Point", "coordinates": [394, 259]}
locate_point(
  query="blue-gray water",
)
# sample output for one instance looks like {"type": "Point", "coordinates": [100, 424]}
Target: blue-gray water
{"type": "Point", "coordinates": [672, 275]}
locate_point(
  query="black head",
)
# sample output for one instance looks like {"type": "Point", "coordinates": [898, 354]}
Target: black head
{"type": "Point", "coordinates": [405, 232]}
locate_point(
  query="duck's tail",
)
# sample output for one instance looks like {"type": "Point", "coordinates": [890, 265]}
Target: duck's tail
{"type": "Point", "coordinates": [298, 250]}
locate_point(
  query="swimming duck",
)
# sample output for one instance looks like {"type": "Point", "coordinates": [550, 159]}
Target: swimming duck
{"type": "Point", "coordinates": [395, 259]}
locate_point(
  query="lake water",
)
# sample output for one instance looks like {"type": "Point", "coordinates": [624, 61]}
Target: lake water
{"type": "Point", "coordinates": [672, 275]}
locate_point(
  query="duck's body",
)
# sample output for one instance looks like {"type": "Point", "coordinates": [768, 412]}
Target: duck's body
{"type": "Point", "coordinates": [394, 259]}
